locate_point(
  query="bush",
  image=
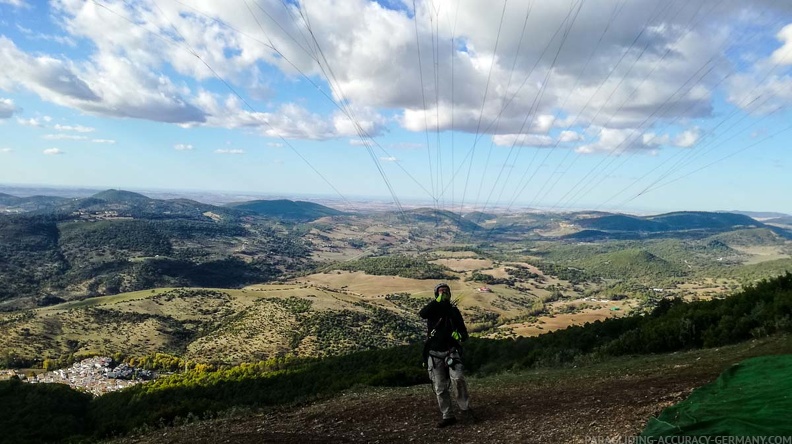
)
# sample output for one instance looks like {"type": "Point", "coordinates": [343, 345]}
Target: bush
{"type": "Point", "coordinates": [41, 412]}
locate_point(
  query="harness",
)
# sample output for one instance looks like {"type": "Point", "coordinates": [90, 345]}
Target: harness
{"type": "Point", "coordinates": [444, 356]}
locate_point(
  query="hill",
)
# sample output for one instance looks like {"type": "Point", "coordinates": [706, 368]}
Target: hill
{"type": "Point", "coordinates": [443, 218]}
{"type": "Point", "coordinates": [7, 199]}
{"type": "Point", "coordinates": [671, 222]}
{"type": "Point", "coordinates": [631, 263]}
{"type": "Point", "coordinates": [125, 204]}
{"type": "Point", "coordinates": [760, 214]}
{"type": "Point", "coordinates": [700, 220]}
{"type": "Point", "coordinates": [286, 209]}
{"type": "Point", "coordinates": [783, 220]}
{"type": "Point", "coordinates": [33, 203]}
{"type": "Point", "coordinates": [29, 255]}
{"type": "Point", "coordinates": [749, 237]}
{"type": "Point", "coordinates": [479, 217]}
{"type": "Point", "coordinates": [85, 254]}
{"type": "Point", "coordinates": [618, 222]}
{"type": "Point", "coordinates": [118, 196]}
{"type": "Point", "coordinates": [674, 326]}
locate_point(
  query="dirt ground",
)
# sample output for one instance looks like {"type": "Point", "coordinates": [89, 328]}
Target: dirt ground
{"type": "Point", "coordinates": [509, 411]}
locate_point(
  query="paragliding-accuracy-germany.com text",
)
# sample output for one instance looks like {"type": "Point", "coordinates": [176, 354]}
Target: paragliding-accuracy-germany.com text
{"type": "Point", "coordinates": [689, 440]}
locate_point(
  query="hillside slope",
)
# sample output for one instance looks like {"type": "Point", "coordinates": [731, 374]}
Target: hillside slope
{"type": "Point", "coordinates": [611, 399]}
{"type": "Point", "coordinates": [287, 209]}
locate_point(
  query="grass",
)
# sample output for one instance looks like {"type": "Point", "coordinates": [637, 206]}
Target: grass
{"type": "Point", "coordinates": [107, 300]}
{"type": "Point", "coordinates": [702, 361]}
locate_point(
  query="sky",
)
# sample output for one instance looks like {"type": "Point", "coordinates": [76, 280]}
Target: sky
{"type": "Point", "coordinates": [612, 105]}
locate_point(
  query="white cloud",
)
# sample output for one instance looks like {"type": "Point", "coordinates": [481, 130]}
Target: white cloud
{"type": "Point", "coordinates": [63, 137]}
{"type": "Point", "coordinates": [614, 140]}
{"type": "Point", "coordinates": [229, 151]}
{"type": "Point", "coordinates": [107, 141]}
{"type": "Point", "coordinates": [53, 151]}
{"type": "Point", "coordinates": [646, 70]}
{"type": "Point", "coordinates": [30, 122]}
{"type": "Point", "coordinates": [357, 142]}
{"type": "Point", "coordinates": [6, 150]}
{"type": "Point", "coordinates": [274, 144]}
{"type": "Point", "coordinates": [107, 85]}
{"type": "Point", "coordinates": [29, 33]}
{"type": "Point", "coordinates": [77, 128]}
{"type": "Point", "coordinates": [389, 159]}
{"type": "Point", "coordinates": [783, 55]}
{"type": "Point", "coordinates": [7, 108]}
{"type": "Point", "coordinates": [407, 145]}
{"type": "Point", "coordinates": [182, 147]}
{"type": "Point", "coordinates": [687, 138]}
{"type": "Point", "coordinates": [52, 79]}
{"type": "Point", "coordinates": [536, 140]}
{"type": "Point", "coordinates": [17, 3]}
{"type": "Point", "coordinates": [619, 141]}
{"type": "Point", "coordinates": [760, 92]}
{"type": "Point", "coordinates": [569, 136]}
{"type": "Point", "coordinates": [289, 121]}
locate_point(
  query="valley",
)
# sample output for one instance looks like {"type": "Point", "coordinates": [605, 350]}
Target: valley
{"type": "Point", "coordinates": [120, 274]}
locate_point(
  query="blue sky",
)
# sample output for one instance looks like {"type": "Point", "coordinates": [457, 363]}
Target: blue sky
{"type": "Point", "coordinates": [645, 105]}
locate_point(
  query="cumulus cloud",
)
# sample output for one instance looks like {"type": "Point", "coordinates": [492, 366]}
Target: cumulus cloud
{"type": "Point", "coordinates": [182, 147]}
{"type": "Point", "coordinates": [618, 141]}
{"type": "Point", "coordinates": [537, 140]}
{"type": "Point", "coordinates": [107, 141]}
{"type": "Point", "coordinates": [687, 138]}
{"type": "Point", "coordinates": [31, 122]}
{"type": "Point", "coordinates": [760, 92]}
{"type": "Point", "coordinates": [609, 64]}
{"type": "Point", "coordinates": [7, 108]}
{"type": "Point", "coordinates": [407, 145]}
{"type": "Point", "coordinates": [62, 39]}
{"type": "Point", "coordinates": [17, 3]}
{"type": "Point", "coordinates": [766, 87]}
{"type": "Point", "coordinates": [53, 151]}
{"type": "Point", "coordinates": [289, 121]}
{"type": "Point", "coordinates": [76, 128]}
{"type": "Point", "coordinates": [783, 55]}
{"type": "Point", "coordinates": [569, 136]}
{"type": "Point", "coordinates": [63, 137]}
{"type": "Point", "coordinates": [374, 59]}
{"type": "Point", "coordinates": [229, 151]}
{"type": "Point", "coordinates": [107, 85]}
{"type": "Point", "coordinates": [51, 78]}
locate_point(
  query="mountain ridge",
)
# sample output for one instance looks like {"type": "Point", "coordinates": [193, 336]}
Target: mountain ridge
{"type": "Point", "coordinates": [286, 209]}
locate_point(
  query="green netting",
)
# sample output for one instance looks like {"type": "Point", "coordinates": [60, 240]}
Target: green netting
{"type": "Point", "coordinates": [752, 398]}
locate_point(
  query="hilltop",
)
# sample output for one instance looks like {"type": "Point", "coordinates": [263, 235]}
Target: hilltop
{"type": "Point", "coordinates": [287, 209]}
{"type": "Point", "coordinates": [684, 223]}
